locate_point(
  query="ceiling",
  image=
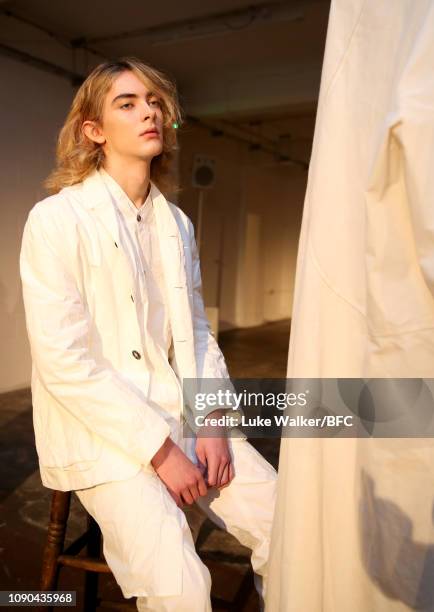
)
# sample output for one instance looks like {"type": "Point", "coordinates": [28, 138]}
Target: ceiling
{"type": "Point", "coordinates": [253, 65]}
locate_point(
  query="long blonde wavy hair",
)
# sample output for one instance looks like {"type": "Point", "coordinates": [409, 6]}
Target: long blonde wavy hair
{"type": "Point", "coordinates": [77, 156]}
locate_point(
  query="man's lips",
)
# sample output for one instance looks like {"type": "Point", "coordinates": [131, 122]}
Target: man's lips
{"type": "Point", "coordinates": [151, 132]}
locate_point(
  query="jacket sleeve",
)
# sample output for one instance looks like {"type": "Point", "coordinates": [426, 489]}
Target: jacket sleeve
{"type": "Point", "coordinates": [210, 362]}
{"type": "Point", "coordinates": [57, 321]}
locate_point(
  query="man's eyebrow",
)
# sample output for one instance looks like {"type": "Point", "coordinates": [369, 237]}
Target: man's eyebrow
{"type": "Point", "coordinates": [124, 95]}
{"type": "Point", "coordinates": [131, 96]}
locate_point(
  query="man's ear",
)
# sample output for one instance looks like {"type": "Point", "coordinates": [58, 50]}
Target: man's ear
{"type": "Point", "coordinates": [92, 131]}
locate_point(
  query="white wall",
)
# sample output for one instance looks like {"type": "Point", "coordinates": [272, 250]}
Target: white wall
{"type": "Point", "coordinates": [275, 193]}
{"type": "Point", "coordinates": [32, 109]}
{"type": "Point", "coordinates": [259, 204]}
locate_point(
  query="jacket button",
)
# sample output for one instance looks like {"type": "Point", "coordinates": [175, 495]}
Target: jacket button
{"type": "Point", "coordinates": [137, 355]}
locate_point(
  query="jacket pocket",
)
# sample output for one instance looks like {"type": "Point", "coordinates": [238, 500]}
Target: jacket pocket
{"type": "Point", "coordinates": [81, 458]}
{"type": "Point", "coordinates": [61, 441]}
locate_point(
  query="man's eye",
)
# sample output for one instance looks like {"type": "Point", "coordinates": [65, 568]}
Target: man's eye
{"type": "Point", "coordinates": [125, 105]}
{"type": "Point", "coordinates": [157, 102]}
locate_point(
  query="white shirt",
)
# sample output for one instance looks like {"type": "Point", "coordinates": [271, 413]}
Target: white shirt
{"type": "Point", "coordinates": [139, 238]}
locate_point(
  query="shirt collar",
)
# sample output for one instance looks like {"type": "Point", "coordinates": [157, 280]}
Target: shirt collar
{"type": "Point", "coordinates": [121, 198]}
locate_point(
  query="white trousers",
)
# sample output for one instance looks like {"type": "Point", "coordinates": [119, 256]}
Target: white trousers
{"type": "Point", "coordinates": [147, 541]}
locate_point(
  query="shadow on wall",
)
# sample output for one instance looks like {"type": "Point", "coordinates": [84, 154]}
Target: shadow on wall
{"type": "Point", "coordinates": [402, 567]}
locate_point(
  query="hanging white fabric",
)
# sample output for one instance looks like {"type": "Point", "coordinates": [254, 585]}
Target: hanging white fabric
{"type": "Point", "coordinates": [354, 519]}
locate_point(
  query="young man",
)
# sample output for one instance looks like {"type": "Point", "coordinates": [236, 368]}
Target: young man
{"type": "Point", "coordinates": [115, 318]}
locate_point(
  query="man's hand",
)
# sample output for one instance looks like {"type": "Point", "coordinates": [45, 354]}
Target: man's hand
{"type": "Point", "coordinates": [182, 478]}
{"type": "Point", "coordinates": [213, 454]}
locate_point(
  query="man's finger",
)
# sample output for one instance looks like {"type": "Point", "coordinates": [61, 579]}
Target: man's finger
{"type": "Point", "coordinates": [194, 492]}
{"type": "Point", "coordinates": [222, 467]}
{"type": "Point", "coordinates": [201, 462]}
{"type": "Point", "coordinates": [187, 496]}
{"type": "Point", "coordinates": [224, 480]}
{"type": "Point", "coordinates": [201, 485]}
{"type": "Point", "coordinates": [200, 454]}
{"type": "Point", "coordinates": [212, 473]}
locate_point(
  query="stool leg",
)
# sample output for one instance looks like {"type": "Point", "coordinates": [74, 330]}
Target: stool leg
{"type": "Point", "coordinates": [91, 578]}
{"type": "Point", "coordinates": [59, 513]}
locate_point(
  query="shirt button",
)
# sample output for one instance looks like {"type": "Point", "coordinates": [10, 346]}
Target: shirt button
{"type": "Point", "coordinates": [137, 355]}
{"type": "Point", "coordinates": [139, 218]}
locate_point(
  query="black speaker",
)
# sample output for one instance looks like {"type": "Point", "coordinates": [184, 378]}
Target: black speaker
{"type": "Point", "coordinates": [203, 172]}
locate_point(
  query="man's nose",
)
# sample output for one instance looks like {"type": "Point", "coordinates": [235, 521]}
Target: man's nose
{"type": "Point", "coordinates": [148, 111]}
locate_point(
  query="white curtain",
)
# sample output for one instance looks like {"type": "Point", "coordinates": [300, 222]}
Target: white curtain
{"type": "Point", "coordinates": [354, 521]}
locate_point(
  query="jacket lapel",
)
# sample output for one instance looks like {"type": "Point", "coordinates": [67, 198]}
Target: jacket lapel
{"type": "Point", "coordinates": [98, 199]}
{"type": "Point", "coordinates": [173, 259]}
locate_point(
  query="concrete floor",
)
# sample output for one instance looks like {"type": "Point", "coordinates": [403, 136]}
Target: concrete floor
{"type": "Point", "coordinates": [259, 352]}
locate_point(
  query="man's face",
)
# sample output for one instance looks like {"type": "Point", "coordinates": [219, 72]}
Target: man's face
{"type": "Point", "coordinates": [130, 109]}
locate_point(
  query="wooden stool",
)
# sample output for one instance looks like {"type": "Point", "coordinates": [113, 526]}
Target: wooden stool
{"type": "Point", "coordinates": [55, 557]}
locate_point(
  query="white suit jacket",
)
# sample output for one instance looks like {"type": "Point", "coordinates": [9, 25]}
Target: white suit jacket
{"type": "Point", "coordinates": [92, 420]}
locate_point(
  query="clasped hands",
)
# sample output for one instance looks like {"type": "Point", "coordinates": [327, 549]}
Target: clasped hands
{"type": "Point", "coordinates": [184, 480]}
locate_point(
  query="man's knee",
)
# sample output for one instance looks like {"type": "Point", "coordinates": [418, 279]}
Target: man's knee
{"type": "Point", "coordinates": [196, 591]}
